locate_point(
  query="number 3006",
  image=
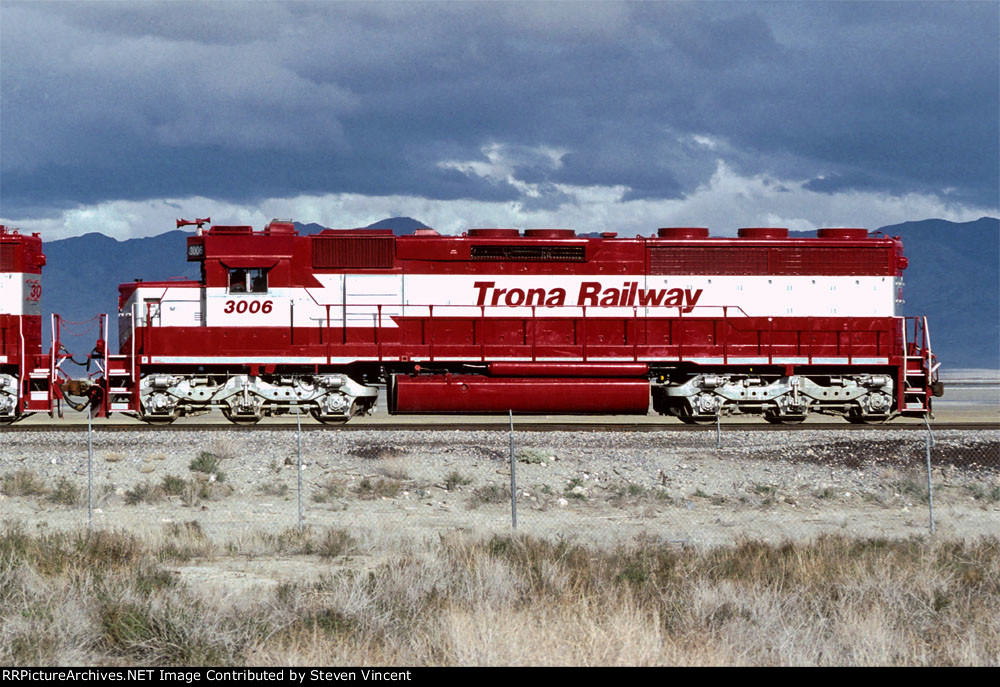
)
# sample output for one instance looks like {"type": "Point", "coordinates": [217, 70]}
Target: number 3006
{"type": "Point", "coordinates": [251, 307]}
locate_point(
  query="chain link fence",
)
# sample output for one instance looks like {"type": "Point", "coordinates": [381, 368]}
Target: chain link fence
{"type": "Point", "coordinates": [706, 487]}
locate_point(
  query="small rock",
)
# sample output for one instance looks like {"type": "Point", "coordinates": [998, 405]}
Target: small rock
{"type": "Point", "coordinates": [562, 503]}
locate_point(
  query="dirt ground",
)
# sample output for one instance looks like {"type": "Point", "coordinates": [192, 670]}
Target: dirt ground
{"type": "Point", "coordinates": [395, 491]}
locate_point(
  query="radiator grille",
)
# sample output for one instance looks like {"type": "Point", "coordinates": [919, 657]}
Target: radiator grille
{"type": "Point", "coordinates": [783, 260]}
{"type": "Point", "coordinates": [6, 257]}
{"type": "Point", "coordinates": [684, 260]}
{"type": "Point", "coordinates": [832, 261]}
{"type": "Point", "coordinates": [353, 251]}
{"type": "Point", "coordinates": [529, 253]}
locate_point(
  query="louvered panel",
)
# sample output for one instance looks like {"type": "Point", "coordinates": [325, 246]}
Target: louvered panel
{"type": "Point", "coordinates": [707, 260]}
{"type": "Point", "coordinates": [834, 261]}
{"type": "Point", "coordinates": [353, 251]}
{"type": "Point", "coordinates": [7, 257]}
{"type": "Point", "coordinates": [513, 253]}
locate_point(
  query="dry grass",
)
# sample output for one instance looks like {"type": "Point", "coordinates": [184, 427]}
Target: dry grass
{"type": "Point", "coordinates": [502, 600]}
{"type": "Point", "coordinates": [488, 494]}
{"type": "Point", "coordinates": [377, 488]}
{"type": "Point", "coordinates": [329, 490]}
{"type": "Point", "coordinates": [223, 448]}
{"type": "Point", "coordinates": [395, 469]}
{"type": "Point", "coordinates": [208, 464]}
{"type": "Point", "coordinates": [65, 493]}
{"type": "Point", "coordinates": [455, 479]}
{"type": "Point", "coordinates": [274, 487]}
{"type": "Point", "coordinates": [22, 483]}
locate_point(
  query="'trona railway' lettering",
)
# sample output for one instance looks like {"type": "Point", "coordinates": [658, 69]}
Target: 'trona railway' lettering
{"type": "Point", "coordinates": [591, 294]}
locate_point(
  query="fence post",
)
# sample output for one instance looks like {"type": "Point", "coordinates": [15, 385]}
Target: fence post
{"type": "Point", "coordinates": [513, 479]}
{"type": "Point", "coordinates": [930, 486]}
{"type": "Point", "coordinates": [90, 470]}
{"type": "Point", "coordinates": [298, 463]}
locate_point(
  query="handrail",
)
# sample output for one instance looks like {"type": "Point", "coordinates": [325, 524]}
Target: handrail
{"type": "Point", "coordinates": [511, 310]}
{"type": "Point", "coordinates": [24, 372]}
{"type": "Point", "coordinates": [53, 352]}
{"type": "Point", "coordinates": [932, 368]}
{"type": "Point", "coordinates": [132, 377]}
{"type": "Point", "coordinates": [584, 319]}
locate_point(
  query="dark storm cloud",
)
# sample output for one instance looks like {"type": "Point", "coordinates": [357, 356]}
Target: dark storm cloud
{"type": "Point", "coordinates": [243, 101]}
{"type": "Point", "coordinates": [841, 182]}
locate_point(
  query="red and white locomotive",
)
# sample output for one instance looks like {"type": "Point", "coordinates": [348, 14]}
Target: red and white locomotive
{"type": "Point", "coordinates": [542, 321]}
{"type": "Point", "coordinates": [29, 379]}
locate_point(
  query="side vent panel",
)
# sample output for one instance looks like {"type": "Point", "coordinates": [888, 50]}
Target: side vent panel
{"type": "Point", "coordinates": [509, 253]}
{"type": "Point", "coordinates": [7, 257]}
{"type": "Point", "coordinates": [707, 260]}
{"type": "Point", "coordinates": [831, 260]}
{"type": "Point", "coordinates": [376, 252]}
{"type": "Point", "coordinates": [784, 260]}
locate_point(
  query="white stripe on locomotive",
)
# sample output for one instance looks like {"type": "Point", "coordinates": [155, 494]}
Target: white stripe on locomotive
{"type": "Point", "coordinates": [457, 296]}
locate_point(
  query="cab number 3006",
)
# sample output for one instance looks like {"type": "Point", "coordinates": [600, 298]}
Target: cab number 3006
{"type": "Point", "coordinates": [249, 306]}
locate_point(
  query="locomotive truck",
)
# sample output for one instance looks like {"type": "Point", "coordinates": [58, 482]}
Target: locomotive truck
{"type": "Point", "coordinates": [539, 321]}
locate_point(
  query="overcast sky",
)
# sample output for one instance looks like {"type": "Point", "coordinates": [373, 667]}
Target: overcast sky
{"type": "Point", "coordinates": [599, 116]}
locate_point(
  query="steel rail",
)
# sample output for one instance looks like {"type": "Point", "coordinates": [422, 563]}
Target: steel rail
{"type": "Point", "coordinates": [522, 426]}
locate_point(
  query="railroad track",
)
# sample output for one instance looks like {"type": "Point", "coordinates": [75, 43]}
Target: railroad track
{"type": "Point", "coordinates": [520, 426]}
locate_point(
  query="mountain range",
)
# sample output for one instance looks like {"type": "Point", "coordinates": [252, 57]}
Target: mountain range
{"type": "Point", "coordinates": [953, 278]}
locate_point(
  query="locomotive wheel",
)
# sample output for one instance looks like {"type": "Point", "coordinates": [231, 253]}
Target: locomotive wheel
{"type": "Point", "coordinates": [858, 419]}
{"type": "Point", "coordinates": [158, 419]}
{"type": "Point", "coordinates": [774, 417]}
{"type": "Point", "coordinates": [240, 419]}
{"type": "Point", "coordinates": [785, 419]}
{"type": "Point", "coordinates": [326, 420]}
{"type": "Point", "coordinates": [698, 420]}
{"type": "Point", "coordinates": [688, 418]}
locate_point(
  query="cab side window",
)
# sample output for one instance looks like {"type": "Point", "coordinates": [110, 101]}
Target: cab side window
{"type": "Point", "coordinates": [257, 280]}
{"type": "Point", "coordinates": [247, 280]}
{"type": "Point", "coordinates": [237, 280]}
